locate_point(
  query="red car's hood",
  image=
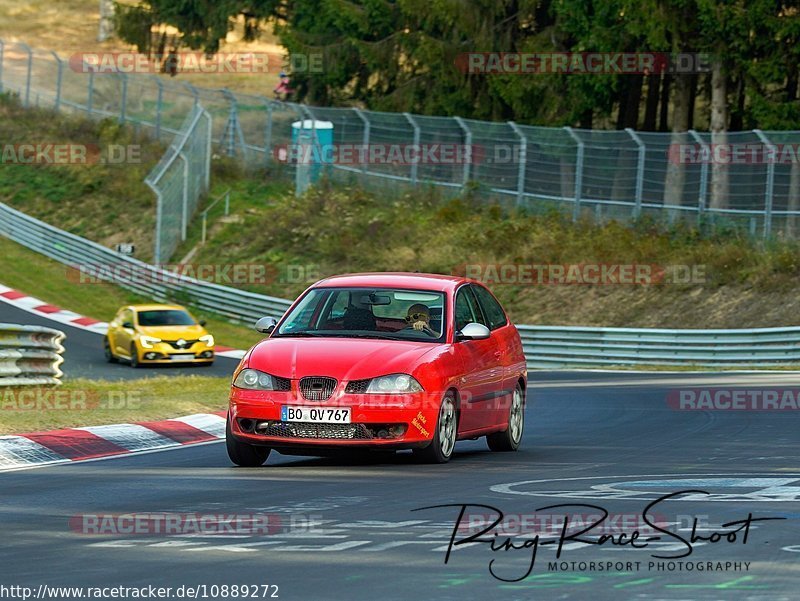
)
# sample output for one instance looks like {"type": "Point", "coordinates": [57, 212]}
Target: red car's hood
{"type": "Point", "coordinates": [340, 358]}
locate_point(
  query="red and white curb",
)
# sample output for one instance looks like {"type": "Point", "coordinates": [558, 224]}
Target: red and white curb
{"type": "Point", "coordinates": [33, 305]}
{"type": "Point", "coordinates": [93, 442]}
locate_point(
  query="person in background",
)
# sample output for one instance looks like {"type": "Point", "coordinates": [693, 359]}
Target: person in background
{"type": "Point", "coordinates": [282, 90]}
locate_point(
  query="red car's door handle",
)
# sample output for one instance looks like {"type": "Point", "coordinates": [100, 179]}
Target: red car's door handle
{"type": "Point", "coordinates": [498, 354]}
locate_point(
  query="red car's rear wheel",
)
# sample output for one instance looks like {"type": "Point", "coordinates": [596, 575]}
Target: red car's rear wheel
{"type": "Point", "coordinates": [511, 438]}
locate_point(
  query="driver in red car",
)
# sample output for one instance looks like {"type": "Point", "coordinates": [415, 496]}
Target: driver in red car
{"type": "Point", "coordinates": [418, 317]}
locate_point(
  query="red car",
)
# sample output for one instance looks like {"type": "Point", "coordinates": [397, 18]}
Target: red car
{"type": "Point", "coordinates": [381, 361]}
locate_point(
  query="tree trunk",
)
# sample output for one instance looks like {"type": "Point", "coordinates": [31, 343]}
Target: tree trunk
{"type": "Point", "coordinates": [663, 120]}
{"type": "Point", "coordinates": [633, 101]}
{"type": "Point", "coordinates": [651, 107]}
{"type": "Point", "coordinates": [106, 28]}
{"type": "Point", "coordinates": [587, 119]}
{"type": "Point", "coordinates": [736, 116]}
{"type": "Point", "coordinates": [719, 134]}
{"type": "Point", "coordinates": [676, 172]}
{"type": "Point", "coordinates": [692, 98]}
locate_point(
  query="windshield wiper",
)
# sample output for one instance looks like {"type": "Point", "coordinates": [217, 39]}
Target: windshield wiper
{"type": "Point", "coordinates": [298, 335]}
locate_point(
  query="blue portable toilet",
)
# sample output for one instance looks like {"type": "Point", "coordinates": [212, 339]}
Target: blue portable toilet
{"type": "Point", "coordinates": [321, 152]}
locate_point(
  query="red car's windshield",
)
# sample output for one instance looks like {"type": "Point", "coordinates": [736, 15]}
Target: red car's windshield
{"type": "Point", "coordinates": [395, 314]}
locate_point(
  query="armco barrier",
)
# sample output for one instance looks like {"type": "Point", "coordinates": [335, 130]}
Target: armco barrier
{"type": "Point", "coordinates": [30, 355]}
{"type": "Point", "coordinates": [546, 347]}
{"type": "Point", "coordinates": [149, 281]}
{"type": "Point", "coordinates": [553, 347]}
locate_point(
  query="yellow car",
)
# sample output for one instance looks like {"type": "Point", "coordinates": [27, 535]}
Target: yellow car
{"type": "Point", "coordinates": [144, 334]}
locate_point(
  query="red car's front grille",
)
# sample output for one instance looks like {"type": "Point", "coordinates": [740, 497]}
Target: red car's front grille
{"type": "Point", "coordinates": [312, 430]}
{"type": "Point", "coordinates": [317, 388]}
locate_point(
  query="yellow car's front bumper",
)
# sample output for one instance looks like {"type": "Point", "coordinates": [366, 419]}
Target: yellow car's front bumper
{"type": "Point", "coordinates": [163, 353]}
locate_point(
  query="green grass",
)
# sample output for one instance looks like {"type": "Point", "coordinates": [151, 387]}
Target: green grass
{"type": "Point", "coordinates": [81, 402]}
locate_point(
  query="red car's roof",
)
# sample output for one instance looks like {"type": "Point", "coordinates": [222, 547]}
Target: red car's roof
{"type": "Point", "coordinates": [423, 281]}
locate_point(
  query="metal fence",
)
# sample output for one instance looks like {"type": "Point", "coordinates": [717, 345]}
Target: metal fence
{"type": "Point", "coordinates": [180, 179]}
{"type": "Point", "coordinates": [598, 174]}
{"type": "Point", "coordinates": [30, 355]}
{"type": "Point", "coordinates": [546, 347]}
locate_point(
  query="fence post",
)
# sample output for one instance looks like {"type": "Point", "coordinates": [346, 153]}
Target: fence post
{"type": "Point", "coordinates": [193, 91]}
{"type": "Point", "coordinates": [185, 195]}
{"type": "Point", "coordinates": [124, 100]}
{"type": "Point", "coordinates": [523, 162]}
{"type": "Point", "coordinates": [637, 208]}
{"type": "Point", "coordinates": [268, 132]}
{"type": "Point", "coordinates": [364, 138]}
{"type": "Point", "coordinates": [209, 133]}
{"type": "Point", "coordinates": [159, 100]}
{"type": "Point", "coordinates": [576, 209]}
{"type": "Point", "coordinates": [59, 76]}
{"type": "Point", "coordinates": [159, 218]}
{"type": "Point", "coordinates": [90, 94]}
{"type": "Point", "coordinates": [29, 74]}
{"type": "Point", "coordinates": [701, 200]}
{"type": "Point", "coordinates": [769, 191]}
{"type": "Point", "coordinates": [2, 52]}
{"type": "Point", "coordinates": [414, 164]}
{"type": "Point", "coordinates": [230, 128]}
{"type": "Point", "coordinates": [468, 143]}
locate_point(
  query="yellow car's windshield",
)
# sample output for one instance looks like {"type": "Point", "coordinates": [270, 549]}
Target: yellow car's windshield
{"type": "Point", "coordinates": [165, 317]}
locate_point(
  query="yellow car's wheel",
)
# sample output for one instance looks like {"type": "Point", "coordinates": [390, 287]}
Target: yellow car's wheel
{"type": "Point", "coordinates": [134, 356]}
{"type": "Point", "coordinates": [110, 357]}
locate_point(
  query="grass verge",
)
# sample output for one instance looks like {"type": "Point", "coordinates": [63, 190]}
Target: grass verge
{"type": "Point", "coordinates": [82, 402]}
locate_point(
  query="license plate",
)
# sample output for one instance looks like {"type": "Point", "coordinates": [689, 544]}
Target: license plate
{"type": "Point", "coordinates": [318, 415]}
{"type": "Point", "coordinates": [181, 357]}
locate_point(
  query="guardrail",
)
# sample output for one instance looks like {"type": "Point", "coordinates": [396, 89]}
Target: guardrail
{"type": "Point", "coordinates": [553, 347]}
{"type": "Point", "coordinates": [30, 355]}
{"type": "Point", "coordinates": [90, 260]}
{"type": "Point", "coordinates": [547, 347]}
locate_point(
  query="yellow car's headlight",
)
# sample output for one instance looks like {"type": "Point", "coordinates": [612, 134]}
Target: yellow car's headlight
{"type": "Point", "coordinates": [208, 339]}
{"type": "Point", "coordinates": [149, 341]}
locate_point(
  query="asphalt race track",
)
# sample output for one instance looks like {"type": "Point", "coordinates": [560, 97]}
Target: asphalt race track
{"type": "Point", "coordinates": [344, 528]}
{"type": "Point", "coordinates": [83, 354]}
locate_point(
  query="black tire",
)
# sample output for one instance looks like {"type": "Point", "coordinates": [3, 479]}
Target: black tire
{"type": "Point", "coordinates": [134, 356]}
{"type": "Point", "coordinates": [510, 439]}
{"type": "Point", "coordinates": [243, 454]}
{"type": "Point", "coordinates": [110, 357]}
{"type": "Point", "coordinates": [441, 449]}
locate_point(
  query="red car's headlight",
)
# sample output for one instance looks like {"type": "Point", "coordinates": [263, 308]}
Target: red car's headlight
{"type": "Point", "coordinates": [393, 384]}
{"type": "Point", "coordinates": [253, 379]}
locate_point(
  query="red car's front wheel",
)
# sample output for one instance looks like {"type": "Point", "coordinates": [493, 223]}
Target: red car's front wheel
{"type": "Point", "coordinates": [444, 438]}
{"type": "Point", "coordinates": [243, 454]}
